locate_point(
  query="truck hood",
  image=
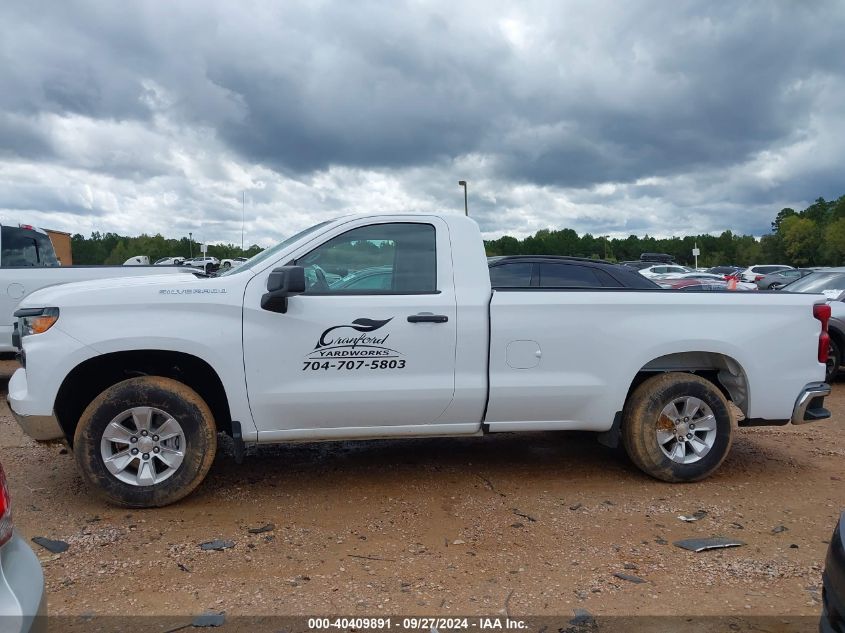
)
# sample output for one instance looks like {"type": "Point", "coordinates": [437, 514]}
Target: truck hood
{"type": "Point", "coordinates": [61, 294]}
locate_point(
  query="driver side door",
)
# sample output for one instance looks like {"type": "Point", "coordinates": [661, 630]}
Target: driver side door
{"type": "Point", "coordinates": [350, 360]}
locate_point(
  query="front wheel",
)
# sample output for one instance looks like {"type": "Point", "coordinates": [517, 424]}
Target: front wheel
{"type": "Point", "coordinates": [145, 442]}
{"type": "Point", "coordinates": [677, 427]}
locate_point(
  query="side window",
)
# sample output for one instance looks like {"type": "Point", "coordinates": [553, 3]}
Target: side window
{"type": "Point", "coordinates": [567, 276]}
{"type": "Point", "coordinates": [658, 269]}
{"type": "Point", "coordinates": [514, 275]}
{"type": "Point", "coordinates": [401, 257]}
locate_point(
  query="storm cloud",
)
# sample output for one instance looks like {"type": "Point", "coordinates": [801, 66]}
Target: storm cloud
{"type": "Point", "coordinates": [606, 117]}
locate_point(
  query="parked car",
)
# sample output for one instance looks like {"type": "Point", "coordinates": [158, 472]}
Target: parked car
{"type": "Point", "coordinates": [547, 271]}
{"type": "Point", "coordinates": [833, 582]}
{"type": "Point", "coordinates": [28, 262]}
{"type": "Point", "coordinates": [724, 271]}
{"type": "Point", "coordinates": [693, 284]}
{"type": "Point", "coordinates": [207, 264]}
{"type": "Point", "coordinates": [234, 262]}
{"type": "Point", "coordinates": [23, 602]}
{"type": "Point", "coordinates": [638, 264]}
{"type": "Point", "coordinates": [753, 273]}
{"type": "Point", "coordinates": [710, 278]}
{"type": "Point", "coordinates": [836, 328]}
{"type": "Point", "coordinates": [169, 261]}
{"type": "Point", "coordinates": [142, 410]}
{"type": "Point", "coordinates": [774, 281]}
{"type": "Point", "coordinates": [665, 269]}
{"type": "Point", "coordinates": [829, 282]}
{"type": "Point", "coordinates": [137, 260]}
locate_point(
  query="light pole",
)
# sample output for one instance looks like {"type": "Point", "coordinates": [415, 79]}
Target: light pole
{"type": "Point", "coordinates": [190, 245]}
{"type": "Point", "coordinates": [463, 183]}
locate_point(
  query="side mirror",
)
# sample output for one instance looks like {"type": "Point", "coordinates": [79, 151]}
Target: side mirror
{"type": "Point", "coordinates": [282, 283]}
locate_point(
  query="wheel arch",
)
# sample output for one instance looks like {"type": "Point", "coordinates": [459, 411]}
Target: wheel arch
{"type": "Point", "coordinates": [724, 371]}
{"type": "Point", "coordinates": [92, 376]}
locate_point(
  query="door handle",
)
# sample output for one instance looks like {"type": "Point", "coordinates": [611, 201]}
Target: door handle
{"type": "Point", "coordinates": [427, 317]}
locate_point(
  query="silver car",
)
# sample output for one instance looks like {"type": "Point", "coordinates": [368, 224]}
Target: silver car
{"type": "Point", "coordinates": [23, 603]}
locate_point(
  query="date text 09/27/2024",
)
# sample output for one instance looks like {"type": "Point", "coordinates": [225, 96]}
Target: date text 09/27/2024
{"type": "Point", "coordinates": [417, 623]}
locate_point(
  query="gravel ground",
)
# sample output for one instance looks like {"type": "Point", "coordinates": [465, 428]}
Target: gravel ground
{"type": "Point", "coordinates": [534, 524]}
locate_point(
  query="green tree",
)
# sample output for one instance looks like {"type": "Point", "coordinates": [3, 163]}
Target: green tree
{"type": "Point", "coordinates": [800, 239]}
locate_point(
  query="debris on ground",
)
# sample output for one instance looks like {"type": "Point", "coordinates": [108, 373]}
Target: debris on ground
{"type": "Point", "coordinates": [630, 578]}
{"type": "Point", "coordinates": [54, 547]}
{"type": "Point", "coordinates": [217, 545]}
{"type": "Point", "coordinates": [264, 528]}
{"type": "Point", "coordinates": [779, 528]}
{"type": "Point", "coordinates": [576, 506]}
{"type": "Point", "coordinates": [703, 544]}
{"type": "Point", "coordinates": [695, 516]}
{"type": "Point", "coordinates": [524, 516]}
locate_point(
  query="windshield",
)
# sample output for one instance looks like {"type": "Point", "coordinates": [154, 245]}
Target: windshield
{"type": "Point", "coordinates": [818, 282]}
{"type": "Point", "coordinates": [273, 250]}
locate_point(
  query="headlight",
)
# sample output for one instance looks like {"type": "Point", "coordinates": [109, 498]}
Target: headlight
{"type": "Point", "coordinates": [36, 320]}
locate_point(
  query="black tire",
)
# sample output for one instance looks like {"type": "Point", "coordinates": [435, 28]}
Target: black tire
{"type": "Point", "coordinates": [226, 265]}
{"type": "Point", "coordinates": [644, 411]}
{"type": "Point", "coordinates": [834, 361]}
{"type": "Point", "coordinates": [774, 286]}
{"type": "Point", "coordinates": [209, 268]}
{"type": "Point", "coordinates": [180, 402]}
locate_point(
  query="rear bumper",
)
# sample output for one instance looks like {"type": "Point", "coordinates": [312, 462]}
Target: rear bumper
{"type": "Point", "coordinates": [23, 602]}
{"type": "Point", "coordinates": [809, 406]}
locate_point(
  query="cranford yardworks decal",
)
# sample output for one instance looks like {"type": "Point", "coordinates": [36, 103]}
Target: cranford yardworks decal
{"type": "Point", "coordinates": [361, 344]}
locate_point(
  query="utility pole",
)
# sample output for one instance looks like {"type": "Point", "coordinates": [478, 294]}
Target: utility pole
{"type": "Point", "coordinates": [190, 245]}
{"type": "Point", "coordinates": [243, 215]}
{"type": "Point", "coordinates": [463, 183]}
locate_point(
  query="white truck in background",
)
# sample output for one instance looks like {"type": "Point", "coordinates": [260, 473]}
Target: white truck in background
{"type": "Point", "coordinates": [28, 262]}
{"type": "Point", "coordinates": [273, 351]}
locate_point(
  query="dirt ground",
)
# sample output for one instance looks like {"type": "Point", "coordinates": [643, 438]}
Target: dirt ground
{"type": "Point", "coordinates": [525, 524]}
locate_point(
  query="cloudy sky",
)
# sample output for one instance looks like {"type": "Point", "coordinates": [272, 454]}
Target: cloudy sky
{"type": "Point", "coordinates": [608, 117]}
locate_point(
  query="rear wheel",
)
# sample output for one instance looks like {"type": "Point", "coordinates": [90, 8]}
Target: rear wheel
{"type": "Point", "coordinates": [677, 427]}
{"type": "Point", "coordinates": [145, 442]}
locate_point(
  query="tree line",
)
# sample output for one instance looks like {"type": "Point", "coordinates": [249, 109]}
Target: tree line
{"type": "Point", "coordinates": [814, 236]}
{"type": "Point", "coordinates": [111, 248]}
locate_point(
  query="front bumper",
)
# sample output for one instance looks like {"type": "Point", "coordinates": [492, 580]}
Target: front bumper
{"type": "Point", "coordinates": [23, 602]}
{"type": "Point", "coordinates": [37, 425]}
{"type": "Point", "coordinates": [809, 406]}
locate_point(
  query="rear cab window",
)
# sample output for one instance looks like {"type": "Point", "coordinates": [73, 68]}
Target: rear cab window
{"type": "Point", "coordinates": [25, 247]}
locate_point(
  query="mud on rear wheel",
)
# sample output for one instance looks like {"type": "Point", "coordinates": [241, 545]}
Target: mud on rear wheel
{"type": "Point", "coordinates": [145, 442]}
{"type": "Point", "coordinates": [677, 427]}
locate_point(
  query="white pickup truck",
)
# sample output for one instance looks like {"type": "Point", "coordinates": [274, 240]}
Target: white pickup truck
{"type": "Point", "coordinates": [139, 375]}
{"type": "Point", "coordinates": [28, 262]}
